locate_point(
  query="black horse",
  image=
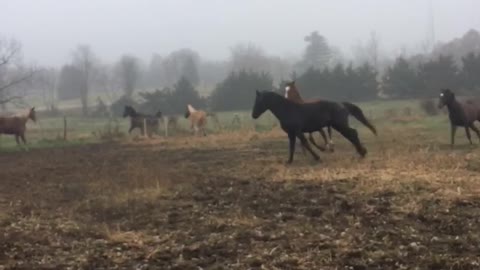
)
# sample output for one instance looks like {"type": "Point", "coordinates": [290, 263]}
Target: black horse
{"type": "Point", "coordinates": [138, 120]}
{"type": "Point", "coordinates": [296, 119]}
{"type": "Point", "coordinates": [462, 114]}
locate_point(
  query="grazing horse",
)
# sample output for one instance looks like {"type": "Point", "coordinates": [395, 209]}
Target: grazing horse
{"type": "Point", "coordinates": [138, 120]}
{"type": "Point", "coordinates": [291, 93]}
{"type": "Point", "coordinates": [198, 119]}
{"type": "Point", "coordinates": [296, 119]}
{"type": "Point", "coordinates": [16, 125]}
{"type": "Point", "coordinates": [462, 114]}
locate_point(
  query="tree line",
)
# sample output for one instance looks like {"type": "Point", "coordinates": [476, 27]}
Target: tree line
{"type": "Point", "coordinates": [181, 76]}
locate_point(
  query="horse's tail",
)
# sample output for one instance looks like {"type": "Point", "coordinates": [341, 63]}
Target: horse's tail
{"type": "Point", "coordinates": [358, 114]}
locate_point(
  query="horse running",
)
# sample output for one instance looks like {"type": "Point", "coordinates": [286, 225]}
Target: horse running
{"type": "Point", "coordinates": [16, 125]}
{"type": "Point", "coordinates": [296, 119]}
{"type": "Point", "coordinates": [138, 120]}
{"type": "Point", "coordinates": [198, 119]}
{"type": "Point", "coordinates": [291, 93]}
{"type": "Point", "coordinates": [462, 114]}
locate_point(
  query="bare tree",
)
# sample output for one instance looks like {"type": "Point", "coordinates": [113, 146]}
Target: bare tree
{"type": "Point", "coordinates": [85, 60]}
{"type": "Point", "coordinates": [45, 80]}
{"type": "Point", "coordinates": [13, 74]}
{"type": "Point", "coordinates": [128, 69]}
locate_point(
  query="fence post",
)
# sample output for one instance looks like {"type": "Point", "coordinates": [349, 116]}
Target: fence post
{"type": "Point", "coordinates": [64, 128]}
{"type": "Point", "coordinates": [165, 123]}
{"type": "Point", "coordinates": [145, 127]}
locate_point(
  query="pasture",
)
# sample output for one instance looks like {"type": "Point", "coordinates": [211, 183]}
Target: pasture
{"type": "Point", "coordinates": [228, 201]}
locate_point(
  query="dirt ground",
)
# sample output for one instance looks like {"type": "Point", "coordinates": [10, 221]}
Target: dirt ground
{"type": "Point", "coordinates": [228, 201]}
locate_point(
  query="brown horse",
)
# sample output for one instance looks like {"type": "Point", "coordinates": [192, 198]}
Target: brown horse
{"type": "Point", "coordinates": [462, 114]}
{"type": "Point", "coordinates": [198, 119]}
{"type": "Point", "coordinates": [138, 120]}
{"type": "Point", "coordinates": [16, 125]}
{"type": "Point", "coordinates": [292, 93]}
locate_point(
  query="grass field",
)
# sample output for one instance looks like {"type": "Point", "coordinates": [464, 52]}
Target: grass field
{"type": "Point", "coordinates": [228, 201]}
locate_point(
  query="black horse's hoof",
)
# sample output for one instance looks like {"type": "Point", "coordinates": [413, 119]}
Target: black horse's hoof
{"type": "Point", "coordinates": [362, 152]}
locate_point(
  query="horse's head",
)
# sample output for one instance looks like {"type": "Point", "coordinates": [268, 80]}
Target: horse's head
{"type": "Point", "coordinates": [260, 105]}
{"type": "Point", "coordinates": [291, 91]}
{"type": "Point", "coordinates": [446, 97]}
{"type": "Point", "coordinates": [128, 111]}
{"type": "Point", "coordinates": [32, 115]}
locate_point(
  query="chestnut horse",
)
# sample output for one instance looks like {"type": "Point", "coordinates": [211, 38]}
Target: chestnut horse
{"type": "Point", "coordinates": [198, 119]}
{"type": "Point", "coordinates": [291, 93]}
{"type": "Point", "coordinates": [16, 125]}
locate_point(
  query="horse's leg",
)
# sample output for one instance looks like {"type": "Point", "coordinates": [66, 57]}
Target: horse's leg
{"type": "Point", "coordinates": [352, 135]}
{"type": "Point", "coordinates": [22, 136]}
{"type": "Point", "coordinates": [307, 146]}
{"type": "Point", "coordinates": [453, 129]}
{"type": "Point", "coordinates": [467, 131]}
{"type": "Point", "coordinates": [330, 143]}
{"type": "Point", "coordinates": [324, 136]}
{"type": "Point", "coordinates": [474, 128]}
{"type": "Point", "coordinates": [292, 139]}
{"type": "Point", "coordinates": [310, 138]}
{"type": "Point", "coordinates": [17, 139]}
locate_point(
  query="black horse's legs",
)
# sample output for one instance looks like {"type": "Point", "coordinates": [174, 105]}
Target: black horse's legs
{"type": "Point", "coordinates": [474, 128]}
{"type": "Point", "coordinates": [17, 139]}
{"type": "Point", "coordinates": [467, 131]}
{"type": "Point", "coordinates": [325, 140]}
{"type": "Point", "coordinates": [330, 143]}
{"type": "Point", "coordinates": [312, 140]}
{"type": "Point", "coordinates": [352, 135]}
{"type": "Point", "coordinates": [452, 135]}
{"type": "Point", "coordinates": [307, 146]}
{"type": "Point", "coordinates": [292, 139]}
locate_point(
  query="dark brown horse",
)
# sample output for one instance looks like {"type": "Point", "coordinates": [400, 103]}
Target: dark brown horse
{"type": "Point", "coordinates": [138, 120]}
{"type": "Point", "coordinates": [297, 119]}
{"type": "Point", "coordinates": [16, 125]}
{"type": "Point", "coordinates": [292, 93]}
{"type": "Point", "coordinates": [462, 114]}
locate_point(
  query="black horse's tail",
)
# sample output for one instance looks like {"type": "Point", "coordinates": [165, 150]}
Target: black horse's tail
{"type": "Point", "coordinates": [358, 114]}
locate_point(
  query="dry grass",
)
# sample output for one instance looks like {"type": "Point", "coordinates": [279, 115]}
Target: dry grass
{"type": "Point", "coordinates": [228, 201]}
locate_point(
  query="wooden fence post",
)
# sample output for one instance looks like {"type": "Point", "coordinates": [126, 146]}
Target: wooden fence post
{"type": "Point", "coordinates": [145, 127]}
{"type": "Point", "coordinates": [64, 128]}
{"type": "Point", "coordinates": [165, 123]}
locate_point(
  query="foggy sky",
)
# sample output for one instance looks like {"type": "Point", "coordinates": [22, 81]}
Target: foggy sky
{"type": "Point", "coordinates": [50, 29]}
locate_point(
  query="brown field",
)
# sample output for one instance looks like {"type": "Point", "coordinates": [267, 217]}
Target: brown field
{"type": "Point", "coordinates": [228, 201]}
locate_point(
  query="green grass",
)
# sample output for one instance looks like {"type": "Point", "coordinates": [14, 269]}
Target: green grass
{"type": "Point", "coordinates": [48, 132]}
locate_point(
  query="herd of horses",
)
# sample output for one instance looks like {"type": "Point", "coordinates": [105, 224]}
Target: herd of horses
{"type": "Point", "coordinates": [296, 117]}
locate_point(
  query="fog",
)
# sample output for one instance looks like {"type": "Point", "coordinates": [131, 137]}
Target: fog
{"type": "Point", "coordinates": [50, 29]}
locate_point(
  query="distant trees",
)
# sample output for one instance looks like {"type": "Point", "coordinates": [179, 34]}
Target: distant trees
{"type": "Point", "coordinates": [401, 80]}
{"type": "Point", "coordinates": [84, 62]}
{"type": "Point", "coordinates": [169, 100]}
{"type": "Point", "coordinates": [128, 70]}
{"type": "Point", "coordinates": [317, 54]}
{"type": "Point", "coordinates": [237, 91]}
{"type": "Point", "coordinates": [339, 83]}
{"type": "Point", "coordinates": [13, 73]}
